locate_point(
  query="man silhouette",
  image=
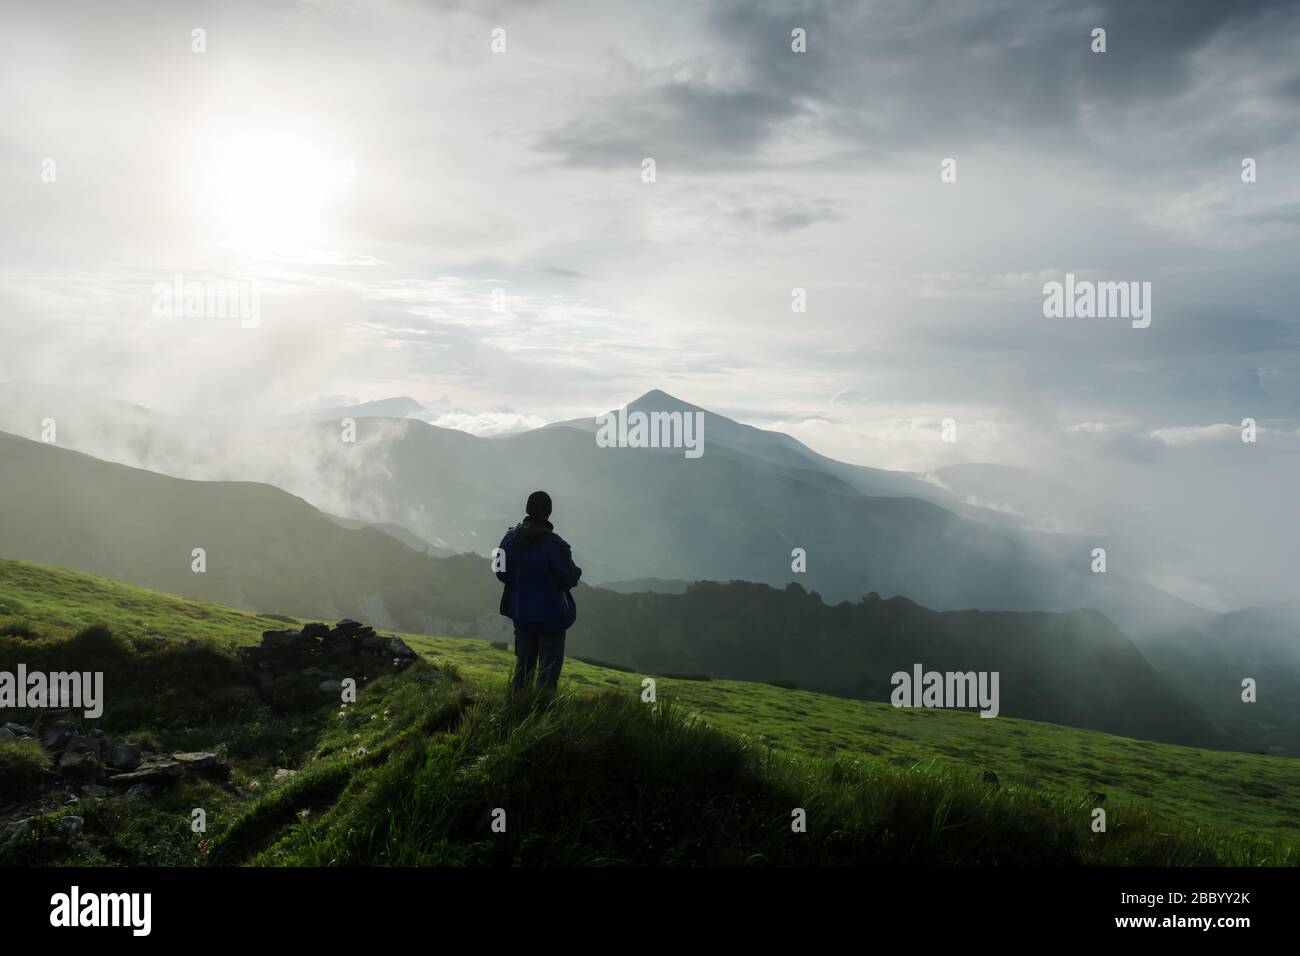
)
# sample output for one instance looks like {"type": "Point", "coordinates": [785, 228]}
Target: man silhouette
{"type": "Point", "coordinates": [538, 575]}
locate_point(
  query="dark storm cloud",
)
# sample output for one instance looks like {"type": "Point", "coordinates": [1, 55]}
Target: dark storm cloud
{"type": "Point", "coordinates": [681, 119]}
{"type": "Point", "coordinates": [887, 77]}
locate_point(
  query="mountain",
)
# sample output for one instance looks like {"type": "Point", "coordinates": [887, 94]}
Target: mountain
{"type": "Point", "coordinates": [272, 552]}
{"type": "Point", "coordinates": [640, 585]}
{"type": "Point", "coordinates": [412, 541]}
{"type": "Point", "coordinates": [1208, 663]}
{"type": "Point", "coordinates": [1075, 668]}
{"type": "Point", "coordinates": [398, 407]}
{"type": "Point", "coordinates": [264, 548]}
{"type": "Point", "coordinates": [746, 443]}
{"type": "Point", "coordinates": [736, 512]}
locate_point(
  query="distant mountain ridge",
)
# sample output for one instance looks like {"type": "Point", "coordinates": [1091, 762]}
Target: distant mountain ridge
{"type": "Point", "coordinates": [736, 513]}
{"type": "Point", "coordinates": [1212, 660]}
{"type": "Point", "coordinates": [272, 552]}
{"type": "Point", "coordinates": [1074, 668]}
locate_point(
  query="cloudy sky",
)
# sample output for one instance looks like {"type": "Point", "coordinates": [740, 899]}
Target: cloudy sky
{"type": "Point", "coordinates": [422, 215]}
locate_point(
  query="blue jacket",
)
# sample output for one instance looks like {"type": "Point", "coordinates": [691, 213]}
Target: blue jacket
{"type": "Point", "coordinates": [539, 574]}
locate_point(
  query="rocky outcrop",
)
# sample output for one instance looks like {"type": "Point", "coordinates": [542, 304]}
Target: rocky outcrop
{"type": "Point", "coordinates": [319, 657]}
{"type": "Point", "coordinates": [97, 762]}
{"type": "Point", "coordinates": [292, 669]}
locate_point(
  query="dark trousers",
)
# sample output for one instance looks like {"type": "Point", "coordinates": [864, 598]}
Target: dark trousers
{"type": "Point", "coordinates": [540, 653]}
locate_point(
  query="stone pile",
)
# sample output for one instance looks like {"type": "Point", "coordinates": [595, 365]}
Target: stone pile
{"type": "Point", "coordinates": [318, 650]}
{"type": "Point", "coordinates": [96, 761]}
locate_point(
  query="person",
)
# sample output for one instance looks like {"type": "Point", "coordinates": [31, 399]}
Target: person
{"type": "Point", "coordinates": [536, 566]}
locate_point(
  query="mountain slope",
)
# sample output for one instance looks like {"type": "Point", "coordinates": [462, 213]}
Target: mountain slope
{"type": "Point", "coordinates": [1197, 793]}
{"type": "Point", "coordinates": [1208, 664]}
{"type": "Point", "coordinates": [271, 552]}
{"type": "Point", "coordinates": [636, 513]}
{"type": "Point", "coordinates": [737, 512]}
{"type": "Point", "coordinates": [264, 548]}
{"type": "Point", "coordinates": [1074, 668]}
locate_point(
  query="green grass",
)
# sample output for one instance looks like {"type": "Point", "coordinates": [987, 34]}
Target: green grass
{"type": "Point", "coordinates": [710, 774]}
{"type": "Point", "coordinates": [47, 598]}
{"type": "Point", "coordinates": [21, 763]}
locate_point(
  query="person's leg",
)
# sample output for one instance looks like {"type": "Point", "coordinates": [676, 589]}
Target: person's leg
{"type": "Point", "coordinates": [526, 648]}
{"type": "Point", "coordinates": [551, 654]}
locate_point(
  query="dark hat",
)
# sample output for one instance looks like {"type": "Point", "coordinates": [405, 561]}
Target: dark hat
{"type": "Point", "coordinates": [539, 505]}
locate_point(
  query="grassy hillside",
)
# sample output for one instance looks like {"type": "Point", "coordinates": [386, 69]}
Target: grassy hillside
{"type": "Point", "coordinates": [265, 549]}
{"type": "Point", "coordinates": [895, 785]}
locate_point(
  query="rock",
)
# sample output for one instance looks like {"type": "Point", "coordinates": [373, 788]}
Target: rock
{"type": "Point", "coordinates": [123, 755]}
{"type": "Point", "coordinates": [287, 641]}
{"type": "Point", "coordinates": [95, 790]}
{"type": "Point", "coordinates": [140, 791]}
{"type": "Point", "coordinates": [79, 744]}
{"type": "Point", "coordinates": [312, 672]}
{"type": "Point", "coordinates": [341, 646]}
{"type": "Point", "coordinates": [48, 718]}
{"type": "Point", "coordinates": [18, 730]}
{"type": "Point", "coordinates": [79, 766]}
{"type": "Point", "coordinates": [400, 649]}
{"type": "Point", "coordinates": [990, 777]}
{"type": "Point", "coordinates": [7, 735]}
{"type": "Point", "coordinates": [265, 682]}
{"type": "Point", "coordinates": [12, 833]}
{"type": "Point", "coordinates": [151, 771]}
{"type": "Point", "coordinates": [353, 631]}
{"type": "Point", "coordinates": [72, 825]}
{"type": "Point", "coordinates": [281, 775]}
{"type": "Point", "coordinates": [331, 687]}
{"type": "Point", "coordinates": [315, 631]}
{"type": "Point", "coordinates": [57, 734]}
{"type": "Point", "coordinates": [196, 761]}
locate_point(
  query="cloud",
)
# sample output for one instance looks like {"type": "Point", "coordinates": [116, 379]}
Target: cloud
{"type": "Point", "coordinates": [485, 423]}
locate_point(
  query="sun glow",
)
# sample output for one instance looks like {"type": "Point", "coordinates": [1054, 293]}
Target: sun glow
{"type": "Point", "coordinates": [271, 193]}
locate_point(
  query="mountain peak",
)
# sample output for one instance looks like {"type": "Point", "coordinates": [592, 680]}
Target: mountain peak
{"type": "Point", "coordinates": [658, 400]}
